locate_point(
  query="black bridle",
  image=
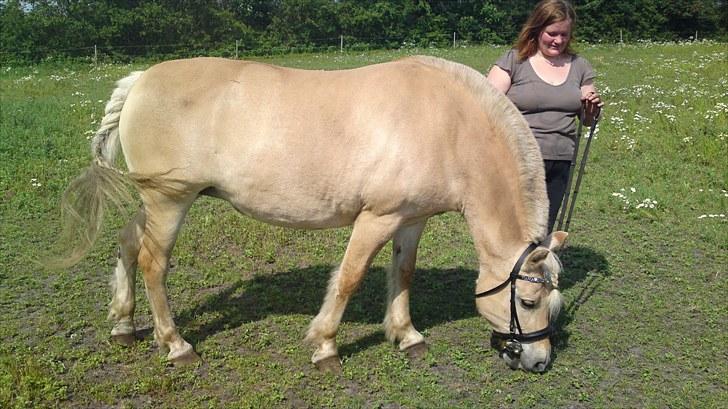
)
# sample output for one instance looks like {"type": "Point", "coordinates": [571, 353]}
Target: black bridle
{"type": "Point", "coordinates": [511, 343]}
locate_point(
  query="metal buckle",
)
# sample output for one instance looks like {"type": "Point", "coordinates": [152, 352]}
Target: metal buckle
{"type": "Point", "coordinates": [513, 348]}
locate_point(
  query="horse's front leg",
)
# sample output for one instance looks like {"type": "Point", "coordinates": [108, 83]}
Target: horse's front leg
{"type": "Point", "coordinates": [121, 308]}
{"type": "Point", "coordinates": [397, 322]}
{"type": "Point", "coordinates": [370, 233]}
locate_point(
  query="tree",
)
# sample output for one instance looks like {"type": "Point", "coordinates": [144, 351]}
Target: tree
{"type": "Point", "coordinates": [684, 18]}
{"type": "Point", "coordinates": [603, 20]}
{"type": "Point", "coordinates": [35, 28]}
{"type": "Point", "coordinates": [304, 23]}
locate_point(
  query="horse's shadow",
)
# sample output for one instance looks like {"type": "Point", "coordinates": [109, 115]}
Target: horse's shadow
{"type": "Point", "coordinates": [438, 296]}
{"type": "Point", "coordinates": [586, 268]}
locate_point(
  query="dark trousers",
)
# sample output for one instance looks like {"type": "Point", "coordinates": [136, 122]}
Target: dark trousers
{"type": "Point", "coordinates": [557, 176]}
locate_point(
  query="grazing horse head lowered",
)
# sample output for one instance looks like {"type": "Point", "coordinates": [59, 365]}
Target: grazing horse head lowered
{"type": "Point", "coordinates": [382, 148]}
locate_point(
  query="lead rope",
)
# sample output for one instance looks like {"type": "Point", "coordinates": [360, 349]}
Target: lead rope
{"type": "Point", "coordinates": [566, 204]}
{"type": "Point", "coordinates": [572, 166]}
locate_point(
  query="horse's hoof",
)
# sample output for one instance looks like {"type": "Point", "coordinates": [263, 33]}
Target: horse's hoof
{"type": "Point", "coordinates": [331, 364]}
{"type": "Point", "coordinates": [186, 359]}
{"type": "Point", "coordinates": [124, 339]}
{"type": "Point", "coordinates": [416, 351]}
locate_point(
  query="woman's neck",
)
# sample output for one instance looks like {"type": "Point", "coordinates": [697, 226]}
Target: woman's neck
{"type": "Point", "coordinates": [555, 61]}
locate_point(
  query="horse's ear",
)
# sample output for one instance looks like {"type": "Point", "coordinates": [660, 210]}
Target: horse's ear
{"type": "Point", "coordinates": [555, 241]}
{"type": "Point", "coordinates": [535, 259]}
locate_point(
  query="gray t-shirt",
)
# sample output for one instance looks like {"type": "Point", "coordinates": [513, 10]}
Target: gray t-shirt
{"type": "Point", "coordinates": [550, 110]}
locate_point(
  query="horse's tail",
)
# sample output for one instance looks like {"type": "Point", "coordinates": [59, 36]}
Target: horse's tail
{"type": "Point", "coordinates": [87, 197]}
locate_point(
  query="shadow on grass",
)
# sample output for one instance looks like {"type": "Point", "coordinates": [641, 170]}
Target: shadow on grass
{"type": "Point", "coordinates": [587, 268]}
{"type": "Point", "coordinates": [438, 296]}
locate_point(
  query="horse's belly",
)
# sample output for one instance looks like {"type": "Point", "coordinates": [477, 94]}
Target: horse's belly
{"type": "Point", "coordinates": [291, 210]}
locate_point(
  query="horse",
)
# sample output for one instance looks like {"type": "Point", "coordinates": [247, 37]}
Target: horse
{"type": "Point", "coordinates": [382, 147]}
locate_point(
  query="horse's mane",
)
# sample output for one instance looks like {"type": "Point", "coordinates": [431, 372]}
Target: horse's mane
{"type": "Point", "coordinates": [506, 119]}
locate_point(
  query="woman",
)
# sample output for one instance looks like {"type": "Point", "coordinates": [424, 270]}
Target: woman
{"type": "Point", "coordinates": [549, 84]}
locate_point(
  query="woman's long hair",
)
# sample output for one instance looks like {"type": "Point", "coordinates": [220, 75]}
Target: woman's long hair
{"type": "Point", "coordinates": [545, 13]}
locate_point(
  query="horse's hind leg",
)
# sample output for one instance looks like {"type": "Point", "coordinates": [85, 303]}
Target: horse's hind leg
{"type": "Point", "coordinates": [397, 322]}
{"type": "Point", "coordinates": [164, 215]}
{"type": "Point", "coordinates": [121, 308]}
{"type": "Point", "coordinates": [370, 233]}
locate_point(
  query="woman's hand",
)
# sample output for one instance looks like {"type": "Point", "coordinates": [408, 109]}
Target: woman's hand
{"type": "Point", "coordinates": [591, 103]}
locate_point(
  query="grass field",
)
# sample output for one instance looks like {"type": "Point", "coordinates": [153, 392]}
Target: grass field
{"type": "Point", "coordinates": [645, 323]}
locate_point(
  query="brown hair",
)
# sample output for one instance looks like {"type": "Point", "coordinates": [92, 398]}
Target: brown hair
{"type": "Point", "coordinates": [545, 13]}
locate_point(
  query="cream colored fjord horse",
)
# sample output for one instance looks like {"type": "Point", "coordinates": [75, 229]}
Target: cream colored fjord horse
{"type": "Point", "coordinates": [382, 148]}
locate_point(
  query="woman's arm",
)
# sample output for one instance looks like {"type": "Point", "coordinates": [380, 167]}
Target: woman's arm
{"type": "Point", "coordinates": [499, 78]}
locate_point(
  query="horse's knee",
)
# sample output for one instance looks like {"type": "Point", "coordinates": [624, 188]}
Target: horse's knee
{"type": "Point", "coordinates": [348, 282]}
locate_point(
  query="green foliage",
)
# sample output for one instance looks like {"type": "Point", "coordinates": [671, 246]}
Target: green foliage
{"type": "Point", "coordinates": [27, 381]}
{"type": "Point", "coordinates": [33, 30]}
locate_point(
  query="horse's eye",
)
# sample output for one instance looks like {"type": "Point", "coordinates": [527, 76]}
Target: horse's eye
{"type": "Point", "coordinates": [528, 304]}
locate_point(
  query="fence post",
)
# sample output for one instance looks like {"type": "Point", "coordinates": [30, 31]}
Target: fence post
{"type": "Point", "coordinates": [96, 56]}
{"type": "Point", "coordinates": [453, 39]}
{"type": "Point", "coordinates": [620, 37]}
{"type": "Point", "coordinates": [341, 43]}
{"type": "Point", "coordinates": [696, 35]}
{"type": "Point", "coordinates": [237, 44]}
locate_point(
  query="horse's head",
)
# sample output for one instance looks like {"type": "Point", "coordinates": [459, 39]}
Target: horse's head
{"type": "Point", "coordinates": [523, 308]}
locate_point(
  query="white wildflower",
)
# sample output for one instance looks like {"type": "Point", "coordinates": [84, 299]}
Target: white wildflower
{"type": "Point", "coordinates": [647, 204]}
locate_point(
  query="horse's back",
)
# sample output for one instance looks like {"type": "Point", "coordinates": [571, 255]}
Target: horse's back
{"type": "Point", "coordinates": [286, 144]}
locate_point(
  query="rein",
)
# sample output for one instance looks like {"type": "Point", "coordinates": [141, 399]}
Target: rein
{"type": "Point", "coordinates": [512, 341]}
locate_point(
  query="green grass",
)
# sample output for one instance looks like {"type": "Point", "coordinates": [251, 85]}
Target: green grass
{"type": "Point", "coordinates": [645, 321]}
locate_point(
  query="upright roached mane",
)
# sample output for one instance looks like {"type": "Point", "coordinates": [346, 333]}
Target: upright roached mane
{"type": "Point", "coordinates": [485, 161]}
{"type": "Point", "coordinates": [511, 124]}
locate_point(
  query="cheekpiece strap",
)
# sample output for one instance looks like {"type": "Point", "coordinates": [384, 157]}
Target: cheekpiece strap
{"type": "Point", "coordinates": [514, 273]}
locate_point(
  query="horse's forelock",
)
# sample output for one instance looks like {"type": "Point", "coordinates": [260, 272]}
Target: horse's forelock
{"type": "Point", "coordinates": [556, 302]}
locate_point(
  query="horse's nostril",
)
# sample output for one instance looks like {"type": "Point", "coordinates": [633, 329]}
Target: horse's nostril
{"type": "Point", "coordinates": [539, 367]}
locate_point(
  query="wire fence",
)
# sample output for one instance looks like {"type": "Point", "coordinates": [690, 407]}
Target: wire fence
{"type": "Point", "coordinates": [238, 49]}
{"type": "Point", "coordinates": [230, 48]}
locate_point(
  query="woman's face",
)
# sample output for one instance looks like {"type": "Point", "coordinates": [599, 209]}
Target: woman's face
{"type": "Point", "coordinates": [554, 38]}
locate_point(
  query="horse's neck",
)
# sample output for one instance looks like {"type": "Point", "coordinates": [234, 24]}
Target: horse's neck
{"type": "Point", "coordinates": [498, 245]}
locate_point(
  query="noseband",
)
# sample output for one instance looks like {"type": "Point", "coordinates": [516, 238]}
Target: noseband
{"type": "Point", "coordinates": [511, 343]}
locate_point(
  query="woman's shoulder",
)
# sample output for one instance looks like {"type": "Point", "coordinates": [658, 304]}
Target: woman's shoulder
{"type": "Point", "coordinates": [578, 60]}
{"type": "Point", "coordinates": [582, 67]}
{"type": "Point", "coordinates": [512, 54]}
{"type": "Point", "coordinates": [509, 60]}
